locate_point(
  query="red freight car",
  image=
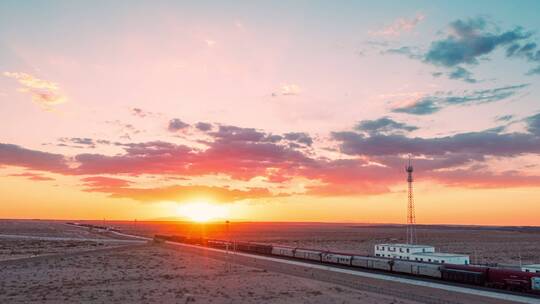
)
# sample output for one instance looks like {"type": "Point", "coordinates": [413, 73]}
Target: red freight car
{"type": "Point", "coordinates": [464, 274]}
{"type": "Point", "coordinates": [510, 279]}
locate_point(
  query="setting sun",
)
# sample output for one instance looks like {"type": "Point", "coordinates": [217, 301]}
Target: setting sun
{"type": "Point", "coordinates": [202, 211]}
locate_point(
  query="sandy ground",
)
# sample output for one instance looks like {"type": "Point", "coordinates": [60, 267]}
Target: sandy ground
{"type": "Point", "coordinates": [13, 248]}
{"type": "Point", "coordinates": [153, 274]}
{"type": "Point", "coordinates": [45, 228]}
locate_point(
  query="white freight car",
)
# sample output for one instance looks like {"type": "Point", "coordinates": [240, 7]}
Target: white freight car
{"type": "Point", "coordinates": [283, 251]}
{"type": "Point", "coordinates": [308, 254]}
{"type": "Point", "coordinates": [369, 262]}
{"type": "Point", "coordinates": [424, 269]}
{"type": "Point", "coordinates": [336, 258]}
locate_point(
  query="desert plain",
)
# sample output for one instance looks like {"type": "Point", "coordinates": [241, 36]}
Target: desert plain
{"type": "Point", "coordinates": [51, 262]}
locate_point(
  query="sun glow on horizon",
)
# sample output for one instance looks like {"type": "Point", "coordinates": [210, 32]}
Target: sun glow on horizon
{"type": "Point", "coordinates": [202, 211]}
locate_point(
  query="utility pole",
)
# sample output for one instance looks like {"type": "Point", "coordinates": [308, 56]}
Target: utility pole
{"type": "Point", "coordinates": [227, 246]}
{"type": "Point", "coordinates": [411, 220]}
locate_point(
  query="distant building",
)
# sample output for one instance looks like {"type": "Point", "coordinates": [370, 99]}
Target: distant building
{"type": "Point", "coordinates": [531, 268]}
{"type": "Point", "coordinates": [419, 253]}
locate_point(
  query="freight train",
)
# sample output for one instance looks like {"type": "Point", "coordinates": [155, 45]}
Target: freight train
{"type": "Point", "coordinates": [96, 227]}
{"type": "Point", "coordinates": [515, 280]}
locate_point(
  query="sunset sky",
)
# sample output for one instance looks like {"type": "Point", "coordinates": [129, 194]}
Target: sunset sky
{"type": "Point", "coordinates": [270, 110]}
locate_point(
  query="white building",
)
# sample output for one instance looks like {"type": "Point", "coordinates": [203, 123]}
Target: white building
{"type": "Point", "coordinates": [400, 250]}
{"type": "Point", "coordinates": [420, 253]}
{"type": "Point", "coordinates": [531, 268]}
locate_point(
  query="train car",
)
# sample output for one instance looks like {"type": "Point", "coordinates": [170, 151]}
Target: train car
{"type": "Point", "coordinates": [371, 262]}
{"type": "Point", "coordinates": [161, 237]}
{"type": "Point", "coordinates": [191, 241]}
{"type": "Point", "coordinates": [261, 248]}
{"type": "Point", "coordinates": [512, 279]}
{"type": "Point", "coordinates": [171, 238]}
{"type": "Point", "coordinates": [416, 268]}
{"type": "Point", "coordinates": [242, 246]}
{"type": "Point", "coordinates": [429, 270]}
{"type": "Point", "coordinates": [177, 238]}
{"type": "Point", "coordinates": [308, 254]}
{"type": "Point", "coordinates": [253, 247]}
{"type": "Point", "coordinates": [219, 244]}
{"type": "Point", "coordinates": [194, 241]}
{"type": "Point", "coordinates": [283, 251]}
{"type": "Point", "coordinates": [336, 258]}
{"type": "Point", "coordinates": [474, 275]}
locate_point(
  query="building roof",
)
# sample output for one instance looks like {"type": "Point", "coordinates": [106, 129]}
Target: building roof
{"type": "Point", "coordinates": [406, 245]}
{"type": "Point", "coordinates": [439, 255]}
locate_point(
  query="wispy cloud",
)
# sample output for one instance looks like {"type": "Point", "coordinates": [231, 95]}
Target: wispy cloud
{"type": "Point", "coordinates": [179, 193]}
{"type": "Point", "coordinates": [44, 93]}
{"type": "Point", "coordinates": [462, 74]}
{"type": "Point", "coordinates": [413, 53]}
{"type": "Point", "coordinates": [384, 125]}
{"type": "Point", "coordinates": [529, 51]}
{"type": "Point", "coordinates": [533, 124]}
{"type": "Point", "coordinates": [142, 113]}
{"type": "Point", "coordinates": [210, 42]}
{"type": "Point", "coordinates": [126, 130]}
{"type": "Point", "coordinates": [438, 101]}
{"type": "Point", "coordinates": [33, 176]}
{"type": "Point", "coordinates": [399, 26]}
{"type": "Point", "coordinates": [504, 118]}
{"type": "Point", "coordinates": [288, 90]}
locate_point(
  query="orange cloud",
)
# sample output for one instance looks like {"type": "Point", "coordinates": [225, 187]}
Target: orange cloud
{"type": "Point", "coordinates": [33, 176]}
{"type": "Point", "coordinates": [182, 193]}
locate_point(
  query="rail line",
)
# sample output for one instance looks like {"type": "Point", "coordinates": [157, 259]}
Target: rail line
{"type": "Point", "coordinates": [499, 295]}
{"type": "Point", "coordinates": [378, 276]}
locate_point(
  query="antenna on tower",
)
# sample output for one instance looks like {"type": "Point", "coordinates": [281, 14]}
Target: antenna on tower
{"type": "Point", "coordinates": [411, 220]}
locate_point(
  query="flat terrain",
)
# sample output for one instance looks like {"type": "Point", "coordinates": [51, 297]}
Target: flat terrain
{"type": "Point", "coordinates": [151, 274]}
{"type": "Point", "coordinates": [37, 238]}
{"type": "Point", "coordinates": [75, 265]}
{"type": "Point", "coordinates": [504, 245]}
{"type": "Point", "coordinates": [45, 229]}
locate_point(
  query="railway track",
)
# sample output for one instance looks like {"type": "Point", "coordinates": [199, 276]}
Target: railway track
{"type": "Point", "coordinates": [486, 292]}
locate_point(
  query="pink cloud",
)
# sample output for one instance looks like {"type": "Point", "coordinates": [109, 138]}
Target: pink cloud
{"type": "Point", "coordinates": [102, 182]}
{"type": "Point", "coordinates": [33, 176]}
{"type": "Point", "coordinates": [371, 161]}
{"type": "Point", "coordinates": [399, 26]}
